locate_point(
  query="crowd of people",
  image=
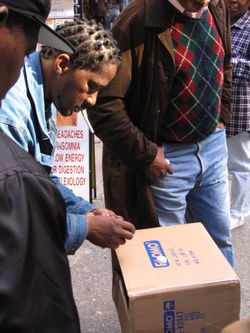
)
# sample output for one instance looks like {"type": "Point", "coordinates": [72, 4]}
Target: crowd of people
{"type": "Point", "coordinates": [104, 11]}
{"type": "Point", "coordinates": [40, 219]}
{"type": "Point", "coordinates": [168, 94]}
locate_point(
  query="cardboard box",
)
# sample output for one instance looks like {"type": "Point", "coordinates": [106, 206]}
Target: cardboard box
{"type": "Point", "coordinates": [194, 291]}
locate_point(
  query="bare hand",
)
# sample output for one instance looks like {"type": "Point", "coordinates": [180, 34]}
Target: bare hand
{"type": "Point", "coordinates": [103, 211]}
{"type": "Point", "coordinates": [159, 167]}
{"type": "Point", "coordinates": [109, 230]}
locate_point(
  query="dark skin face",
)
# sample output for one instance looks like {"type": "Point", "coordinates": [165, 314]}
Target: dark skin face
{"type": "Point", "coordinates": [15, 44]}
{"type": "Point", "coordinates": [237, 8]}
{"type": "Point", "coordinates": [80, 88]}
{"type": "Point", "coordinates": [73, 90]}
{"type": "Point", "coordinates": [194, 5]}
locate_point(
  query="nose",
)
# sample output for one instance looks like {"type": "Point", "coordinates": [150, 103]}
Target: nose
{"type": "Point", "coordinates": [91, 98]}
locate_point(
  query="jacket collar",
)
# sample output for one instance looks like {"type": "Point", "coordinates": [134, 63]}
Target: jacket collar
{"type": "Point", "coordinates": [157, 13]}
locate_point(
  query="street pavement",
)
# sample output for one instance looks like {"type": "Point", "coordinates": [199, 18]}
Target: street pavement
{"type": "Point", "coordinates": [92, 278]}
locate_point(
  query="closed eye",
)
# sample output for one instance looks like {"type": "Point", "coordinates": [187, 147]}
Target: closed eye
{"type": "Point", "coordinates": [93, 87]}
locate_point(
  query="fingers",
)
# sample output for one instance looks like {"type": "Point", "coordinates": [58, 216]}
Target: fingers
{"type": "Point", "coordinates": [159, 167]}
{"type": "Point", "coordinates": [124, 231]}
{"type": "Point", "coordinates": [122, 241]}
{"type": "Point", "coordinates": [168, 169]}
{"type": "Point", "coordinates": [128, 235]}
{"type": "Point", "coordinates": [116, 244]}
{"type": "Point", "coordinates": [104, 212]}
{"type": "Point", "coordinates": [109, 231]}
{"type": "Point", "coordinates": [127, 226]}
{"type": "Point", "coordinates": [121, 231]}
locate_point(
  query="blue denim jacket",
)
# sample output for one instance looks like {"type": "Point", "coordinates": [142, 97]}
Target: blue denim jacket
{"type": "Point", "coordinates": [18, 122]}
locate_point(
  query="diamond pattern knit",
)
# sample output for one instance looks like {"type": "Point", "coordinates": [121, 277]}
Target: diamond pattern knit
{"type": "Point", "coordinates": [194, 107]}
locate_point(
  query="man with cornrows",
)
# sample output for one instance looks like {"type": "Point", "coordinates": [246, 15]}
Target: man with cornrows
{"type": "Point", "coordinates": [53, 80]}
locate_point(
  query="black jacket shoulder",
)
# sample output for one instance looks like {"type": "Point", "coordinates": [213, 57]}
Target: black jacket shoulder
{"type": "Point", "coordinates": [35, 284]}
{"type": "Point", "coordinates": [14, 160]}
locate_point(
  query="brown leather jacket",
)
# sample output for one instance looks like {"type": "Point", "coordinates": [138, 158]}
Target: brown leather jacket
{"type": "Point", "coordinates": [129, 110]}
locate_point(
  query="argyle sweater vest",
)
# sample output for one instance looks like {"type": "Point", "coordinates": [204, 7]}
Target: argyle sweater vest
{"type": "Point", "coordinates": [195, 100]}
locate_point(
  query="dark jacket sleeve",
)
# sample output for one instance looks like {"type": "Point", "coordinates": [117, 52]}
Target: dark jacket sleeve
{"type": "Point", "coordinates": [226, 99]}
{"type": "Point", "coordinates": [15, 209]}
{"type": "Point", "coordinates": [111, 117]}
{"type": "Point", "coordinates": [35, 285]}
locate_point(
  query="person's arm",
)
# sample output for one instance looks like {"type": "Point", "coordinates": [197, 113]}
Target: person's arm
{"type": "Point", "coordinates": [15, 131]}
{"type": "Point", "coordinates": [32, 230]}
{"type": "Point", "coordinates": [15, 117]}
{"type": "Point", "coordinates": [111, 122]}
{"type": "Point", "coordinates": [109, 230]}
{"type": "Point", "coordinates": [77, 223]}
{"type": "Point", "coordinates": [31, 227]}
{"type": "Point", "coordinates": [110, 116]}
{"type": "Point", "coordinates": [101, 226]}
{"type": "Point", "coordinates": [13, 237]}
{"type": "Point", "coordinates": [226, 98]}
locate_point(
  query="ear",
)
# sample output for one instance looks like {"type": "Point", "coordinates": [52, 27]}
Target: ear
{"type": "Point", "coordinates": [4, 13]}
{"type": "Point", "coordinates": [62, 63]}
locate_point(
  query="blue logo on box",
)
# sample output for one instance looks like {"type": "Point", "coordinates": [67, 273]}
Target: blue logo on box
{"type": "Point", "coordinates": [169, 317]}
{"type": "Point", "coordinates": [154, 250]}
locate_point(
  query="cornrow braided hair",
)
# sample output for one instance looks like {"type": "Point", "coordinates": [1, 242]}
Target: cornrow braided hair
{"type": "Point", "coordinates": [93, 44]}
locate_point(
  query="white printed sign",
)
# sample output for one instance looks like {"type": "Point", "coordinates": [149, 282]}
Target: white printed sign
{"type": "Point", "coordinates": [62, 9]}
{"type": "Point", "coordinates": [72, 154]}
